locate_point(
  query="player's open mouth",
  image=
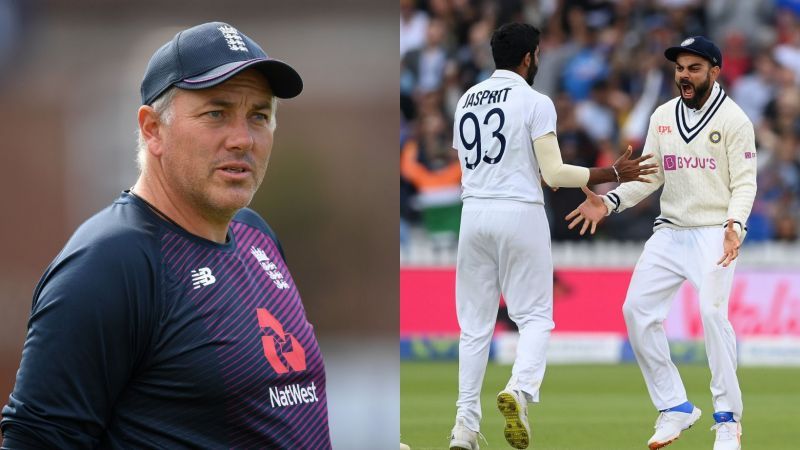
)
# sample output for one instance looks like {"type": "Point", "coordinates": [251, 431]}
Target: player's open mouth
{"type": "Point", "coordinates": [687, 90]}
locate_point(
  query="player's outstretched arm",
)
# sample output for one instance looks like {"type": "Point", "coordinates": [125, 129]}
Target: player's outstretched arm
{"type": "Point", "coordinates": [590, 212]}
{"type": "Point", "coordinates": [623, 170]}
{"type": "Point", "coordinates": [557, 174]}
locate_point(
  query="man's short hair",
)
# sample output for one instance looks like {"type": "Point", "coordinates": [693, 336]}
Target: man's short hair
{"type": "Point", "coordinates": [163, 107]}
{"type": "Point", "coordinates": [511, 42]}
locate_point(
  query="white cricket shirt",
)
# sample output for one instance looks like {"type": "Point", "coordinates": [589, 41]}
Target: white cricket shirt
{"type": "Point", "coordinates": [707, 164]}
{"type": "Point", "coordinates": [496, 122]}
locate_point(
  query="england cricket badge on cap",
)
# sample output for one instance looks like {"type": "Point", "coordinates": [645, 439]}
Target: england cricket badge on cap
{"type": "Point", "coordinates": [689, 41]}
{"type": "Point", "coordinates": [233, 39]}
{"type": "Point", "coordinates": [715, 136]}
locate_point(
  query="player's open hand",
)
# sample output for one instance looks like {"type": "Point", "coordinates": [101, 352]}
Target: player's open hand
{"type": "Point", "coordinates": [730, 245]}
{"type": "Point", "coordinates": [633, 169]}
{"type": "Point", "coordinates": [590, 212]}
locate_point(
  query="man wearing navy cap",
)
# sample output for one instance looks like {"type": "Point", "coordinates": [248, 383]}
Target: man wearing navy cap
{"type": "Point", "coordinates": [170, 318]}
{"type": "Point", "coordinates": [706, 146]}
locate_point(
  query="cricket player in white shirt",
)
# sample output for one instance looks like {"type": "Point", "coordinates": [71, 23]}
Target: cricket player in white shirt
{"type": "Point", "coordinates": [707, 148]}
{"type": "Point", "coordinates": [505, 134]}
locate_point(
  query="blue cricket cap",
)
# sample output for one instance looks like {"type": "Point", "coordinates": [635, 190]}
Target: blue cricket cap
{"type": "Point", "coordinates": [700, 46]}
{"type": "Point", "coordinates": [209, 54]}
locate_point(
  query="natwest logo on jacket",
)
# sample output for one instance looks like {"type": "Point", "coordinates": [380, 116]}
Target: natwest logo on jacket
{"type": "Point", "coordinates": [277, 343]}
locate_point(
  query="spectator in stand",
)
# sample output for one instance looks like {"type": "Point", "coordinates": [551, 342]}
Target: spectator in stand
{"type": "Point", "coordinates": [426, 65]}
{"type": "Point", "coordinates": [431, 167]}
{"type": "Point", "coordinates": [413, 24]}
{"type": "Point", "coordinates": [595, 114]}
{"type": "Point", "coordinates": [577, 148]}
{"type": "Point", "coordinates": [754, 90]}
{"type": "Point", "coordinates": [737, 59]}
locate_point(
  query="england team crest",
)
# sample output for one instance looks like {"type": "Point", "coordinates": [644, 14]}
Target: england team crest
{"type": "Point", "coordinates": [269, 267]}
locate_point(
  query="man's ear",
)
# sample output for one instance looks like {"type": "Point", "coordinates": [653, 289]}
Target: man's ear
{"type": "Point", "coordinates": [151, 128]}
{"type": "Point", "coordinates": [714, 72]}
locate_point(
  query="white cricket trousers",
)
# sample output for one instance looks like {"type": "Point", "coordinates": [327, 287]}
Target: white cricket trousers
{"type": "Point", "coordinates": [503, 247]}
{"type": "Point", "coordinates": [670, 257]}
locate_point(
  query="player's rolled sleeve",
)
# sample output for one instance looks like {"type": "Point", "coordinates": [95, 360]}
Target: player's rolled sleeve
{"type": "Point", "coordinates": [741, 151]}
{"type": "Point", "coordinates": [627, 195]}
{"type": "Point", "coordinates": [82, 345]}
{"type": "Point", "coordinates": [554, 171]}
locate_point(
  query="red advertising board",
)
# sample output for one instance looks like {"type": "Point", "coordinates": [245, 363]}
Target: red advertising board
{"type": "Point", "coordinates": [428, 301]}
{"type": "Point", "coordinates": [762, 303]}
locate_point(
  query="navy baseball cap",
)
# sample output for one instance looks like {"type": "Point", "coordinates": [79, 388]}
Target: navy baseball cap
{"type": "Point", "coordinates": [700, 46]}
{"type": "Point", "coordinates": [209, 54]}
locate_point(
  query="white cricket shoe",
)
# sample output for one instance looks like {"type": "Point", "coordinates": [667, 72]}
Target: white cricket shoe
{"type": "Point", "coordinates": [462, 438]}
{"type": "Point", "coordinates": [669, 426]}
{"type": "Point", "coordinates": [514, 407]}
{"type": "Point", "coordinates": [729, 436]}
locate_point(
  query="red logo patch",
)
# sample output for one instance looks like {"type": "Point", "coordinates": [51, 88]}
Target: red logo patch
{"type": "Point", "coordinates": [662, 129]}
{"type": "Point", "coordinates": [285, 344]}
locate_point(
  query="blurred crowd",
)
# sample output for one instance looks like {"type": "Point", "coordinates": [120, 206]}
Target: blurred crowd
{"type": "Point", "coordinates": [602, 63]}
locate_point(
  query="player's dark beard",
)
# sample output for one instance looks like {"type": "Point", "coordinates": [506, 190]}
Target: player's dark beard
{"type": "Point", "coordinates": [700, 92]}
{"type": "Point", "coordinates": [532, 73]}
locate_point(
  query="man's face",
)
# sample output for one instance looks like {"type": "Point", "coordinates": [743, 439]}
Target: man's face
{"type": "Point", "coordinates": [217, 146]}
{"type": "Point", "coordinates": [534, 67]}
{"type": "Point", "coordinates": [694, 77]}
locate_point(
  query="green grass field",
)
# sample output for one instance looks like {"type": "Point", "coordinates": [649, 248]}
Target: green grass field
{"type": "Point", "coordinates": [597, 408]}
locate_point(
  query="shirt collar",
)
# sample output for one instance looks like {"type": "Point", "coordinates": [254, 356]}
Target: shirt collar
{"type": "Point", "coordinates": [503, 73]}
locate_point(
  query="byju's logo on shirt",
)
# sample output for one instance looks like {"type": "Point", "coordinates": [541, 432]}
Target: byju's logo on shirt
{"type": "Point", "coordinates": [674, 162]}
{"type": "Point", "coordinates": [272, 270]}
{"type": "Point", "coordinates": [202, 277]}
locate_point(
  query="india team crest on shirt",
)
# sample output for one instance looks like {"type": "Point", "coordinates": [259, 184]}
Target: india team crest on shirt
{"type": "Point", "coordinates": [269, 267]}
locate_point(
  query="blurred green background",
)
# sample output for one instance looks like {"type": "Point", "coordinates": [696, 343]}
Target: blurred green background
{"type": "Point", "coordinates": [69, 90]}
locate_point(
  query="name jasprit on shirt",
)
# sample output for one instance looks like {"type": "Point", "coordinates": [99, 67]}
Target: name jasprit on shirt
{"type": "Point", "coordinates": [486, 97]}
